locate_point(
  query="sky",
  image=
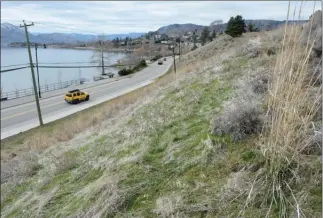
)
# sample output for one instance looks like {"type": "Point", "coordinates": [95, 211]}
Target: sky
{"type": "Point", "coordinates": [108, 17]}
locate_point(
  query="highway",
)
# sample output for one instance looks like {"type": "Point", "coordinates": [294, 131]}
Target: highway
{"type": "Point", "coordinates": [15, 119]}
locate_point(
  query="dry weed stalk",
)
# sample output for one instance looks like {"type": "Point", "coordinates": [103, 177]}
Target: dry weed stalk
{"type": "Point", "coordinates": [289, 116]}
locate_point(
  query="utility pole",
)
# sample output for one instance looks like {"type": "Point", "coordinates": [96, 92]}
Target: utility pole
{"type": "Point", "coordinates": [39, 92]}
{"type": "Point", "coordinates": [102, 59]}
{"type": "Point", "coordinates": [179, 49]}
{"type": "Point", "coordinates": [172, 47]}
{"type": "Point", "coordinates": [32, 72]}
{"type": "Point", "coordinates": [178, 40]}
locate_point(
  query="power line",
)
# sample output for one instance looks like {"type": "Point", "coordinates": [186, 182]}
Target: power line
{"type": "Point", "coordinates": [19, 68]}
{"type": "Point", "coordinates": [79, 30]}
{"type": "Point", "coordinates": [84, 31]}
{"type": "Point", "coordinates": [99, 25]}
{"type": "Point", "coordinates": [14, 65]}
{"type": "Point", "coordinates": [67, 66]}
{"type": "Point", "coordinates": [58, 67]}
{"type": "Point", "coordinates": [69, 63]}
{"type": "Point", "coordinates": [119, 65]}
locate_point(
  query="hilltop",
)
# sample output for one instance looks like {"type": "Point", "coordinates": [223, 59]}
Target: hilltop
{"type": "Point", "coordinates": [262, 25]}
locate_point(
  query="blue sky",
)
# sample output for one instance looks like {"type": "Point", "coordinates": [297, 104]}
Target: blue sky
{"type": "Point", "coordinates": [110, 17]}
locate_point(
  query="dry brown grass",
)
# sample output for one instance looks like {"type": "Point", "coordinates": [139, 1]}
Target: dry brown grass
{"type": "Point", "coordinates": [289, 119]}
{"type": "Point", "coordinates": [63, 130]}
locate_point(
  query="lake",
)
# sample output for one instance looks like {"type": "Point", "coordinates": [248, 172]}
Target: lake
{"type": "Point", "coordinates": [22, 79]}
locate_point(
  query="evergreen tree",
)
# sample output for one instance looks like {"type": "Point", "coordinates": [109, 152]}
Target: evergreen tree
{"type": "Point", "coordinates": [236, 26]}
{"type": "Point", "coordinates": [213, 35]}
{"type": "Point", "coordinates": [252, 28]}
{"type": "Point", "coordinates": [205, 35]}
{"type": "Point", "coordinates": [194, 39]}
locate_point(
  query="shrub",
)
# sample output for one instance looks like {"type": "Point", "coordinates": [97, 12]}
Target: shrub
{"type": "Point", "coordinates": [239, 121]}
{"type": "Point", "coordinates": [142, 63]}
{"type": "Point", "coordinates": [260, 84]}
{"type": "Point", "coordinates": [156, 58]}
{"type": "Point", "coordinates": [125, 72]}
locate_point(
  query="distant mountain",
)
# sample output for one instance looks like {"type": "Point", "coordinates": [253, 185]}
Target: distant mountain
{"type": "Point", "coordinates": [11, 33]}
{"type": "Point", "coordinates": [176, 29]}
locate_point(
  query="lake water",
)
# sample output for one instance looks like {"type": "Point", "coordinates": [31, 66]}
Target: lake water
{"type": "Point", "coordinates": [22, 79]}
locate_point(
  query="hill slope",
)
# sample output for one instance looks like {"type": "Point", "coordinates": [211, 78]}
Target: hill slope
{"type": "Point", "coordinates": [187, 146]}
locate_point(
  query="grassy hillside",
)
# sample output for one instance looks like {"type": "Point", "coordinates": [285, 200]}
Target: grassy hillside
{"type": "Point", "coordinates": [229, 135]}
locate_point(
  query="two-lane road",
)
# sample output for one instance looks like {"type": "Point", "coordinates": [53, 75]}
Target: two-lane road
{"type": "Point", "coordinates": [22, 117]}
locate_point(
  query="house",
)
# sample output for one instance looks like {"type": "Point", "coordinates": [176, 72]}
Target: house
{"type": "Point", "coordinates": [157, 37]}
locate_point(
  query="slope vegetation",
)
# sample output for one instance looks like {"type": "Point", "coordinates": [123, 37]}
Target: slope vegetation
{"type": "Point", "coordinates": [206, 142]}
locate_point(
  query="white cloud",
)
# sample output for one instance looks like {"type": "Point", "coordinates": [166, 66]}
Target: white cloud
{"type": "Point", "coordinates": [143, 16]}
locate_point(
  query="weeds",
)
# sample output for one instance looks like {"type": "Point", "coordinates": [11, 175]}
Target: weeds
{"type": "Point", "coordinates": [288, 122]}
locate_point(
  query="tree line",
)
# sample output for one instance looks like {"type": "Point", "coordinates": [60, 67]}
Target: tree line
{"type": "Point", "coordinates": [236, 27]}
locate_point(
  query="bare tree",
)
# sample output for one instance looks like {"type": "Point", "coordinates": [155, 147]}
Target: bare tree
{"type": "Point", "coordinates": [99, 56]}
{"type": "Point", "coordinates": [140, 52]}
{"type": "Point", "coordinates": [46, 85]}
{"type": "Point", "coordinates": [59, 78]}
{"type": "Point", "coordinates": [80, 76]}
{"type": "Point", "coordinates": [216, 22]}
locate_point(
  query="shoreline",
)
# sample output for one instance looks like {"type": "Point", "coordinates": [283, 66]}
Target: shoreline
{"type": "Point", "coordinates": [74, 48]}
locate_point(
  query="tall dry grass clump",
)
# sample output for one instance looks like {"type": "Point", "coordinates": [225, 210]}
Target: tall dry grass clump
{"type": "Point", "coordinates": [292, 106]}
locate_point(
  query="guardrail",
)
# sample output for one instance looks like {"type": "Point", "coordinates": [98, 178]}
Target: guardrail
{"type": "Point", "coordinates": [44, 88]}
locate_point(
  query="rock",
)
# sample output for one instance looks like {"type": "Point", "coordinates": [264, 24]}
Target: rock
{"type": "Point", "coordinates": [316, 32]}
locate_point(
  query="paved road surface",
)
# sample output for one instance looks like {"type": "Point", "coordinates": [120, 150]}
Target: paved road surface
{"type": "Point", "coordinates": [15, 119]}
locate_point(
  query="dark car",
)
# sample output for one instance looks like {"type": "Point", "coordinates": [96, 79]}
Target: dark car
{"type": "Point", "coordinates": [110, 74]}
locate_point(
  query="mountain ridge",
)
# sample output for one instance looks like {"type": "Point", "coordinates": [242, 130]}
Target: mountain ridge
{"type": "Point", "coordinates": [261, 24]}
{"type": "Point", "coordinates": [11, 33]}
